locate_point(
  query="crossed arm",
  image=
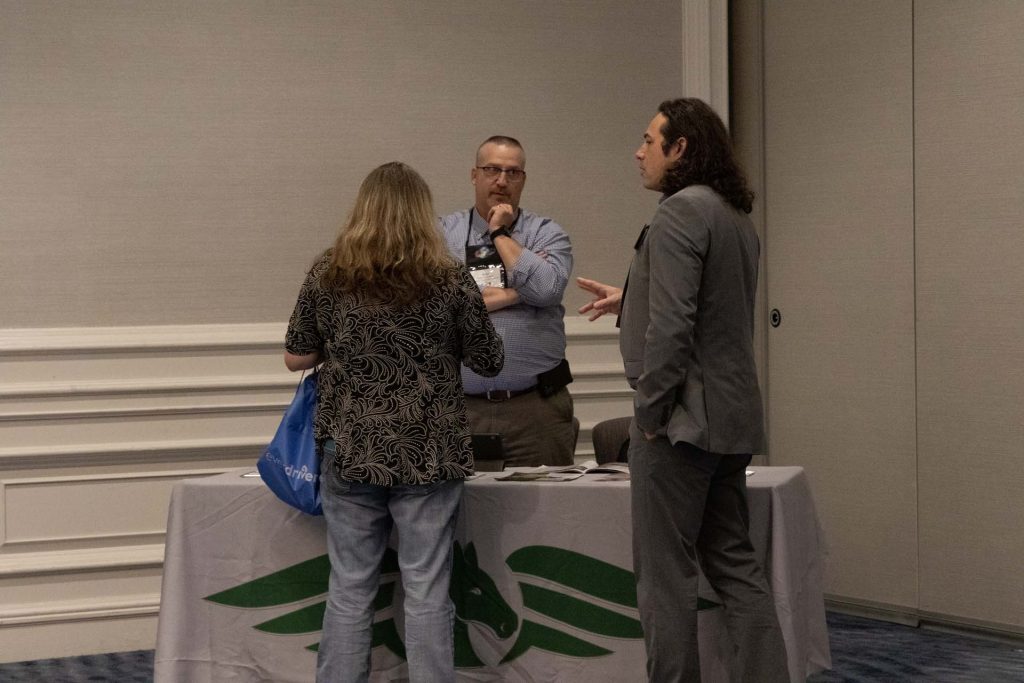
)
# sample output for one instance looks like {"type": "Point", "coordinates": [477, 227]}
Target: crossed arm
{"type": "Point", "coordinates": [497, 298]}
{"type": "Point", "coordinates": [538, 278]}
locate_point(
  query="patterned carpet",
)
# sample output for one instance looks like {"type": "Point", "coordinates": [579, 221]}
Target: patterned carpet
{"type": "Point", "coordinates": [879, 652]}
{"type": "Point", "coordinates": [863, 651]}
{"type": "Point", "coordinates": [123, 667]}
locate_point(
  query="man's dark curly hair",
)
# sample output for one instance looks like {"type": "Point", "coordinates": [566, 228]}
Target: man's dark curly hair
{"type": "Point", "coordinates": [708, 159]}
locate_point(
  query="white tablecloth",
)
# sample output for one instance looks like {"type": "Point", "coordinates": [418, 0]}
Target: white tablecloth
{"type": "Point", "coordinates": [542, 584]}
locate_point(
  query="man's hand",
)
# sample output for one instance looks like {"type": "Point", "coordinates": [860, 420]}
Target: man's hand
{"type": "Point", "coordinates": [607, 299]}
{"type": "Point", "coordinates": [508, 250]}
{"type": "Point", "coordinates": [499, 215]}
{"type": "Point", "coordinates": [497, 298]}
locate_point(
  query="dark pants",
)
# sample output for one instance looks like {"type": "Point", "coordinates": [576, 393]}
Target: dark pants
{"type": "Point", "coordinates": [535, 430]}
{"type": "Point", "coordinates": [689, 508]}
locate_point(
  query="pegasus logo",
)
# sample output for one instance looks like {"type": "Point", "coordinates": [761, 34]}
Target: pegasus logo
{"type": "Point", "coordinates": [585, 594]}
{"type": "Point", "coordinates": [477, 600]}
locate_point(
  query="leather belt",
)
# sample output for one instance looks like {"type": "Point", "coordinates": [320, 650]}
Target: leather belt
{"type": "Point", "coordinates": [499, 395]}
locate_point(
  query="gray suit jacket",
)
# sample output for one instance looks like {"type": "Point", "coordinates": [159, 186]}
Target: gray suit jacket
{"type": "Point", "coordinates": [687, 325]}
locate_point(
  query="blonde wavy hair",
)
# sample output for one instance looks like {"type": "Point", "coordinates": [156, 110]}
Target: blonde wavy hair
{"type": "Point", "coordinates": [390, 248]}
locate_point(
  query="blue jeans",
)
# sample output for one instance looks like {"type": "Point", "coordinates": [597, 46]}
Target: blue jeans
{"type": "Point", "coordinates": [359, 520]}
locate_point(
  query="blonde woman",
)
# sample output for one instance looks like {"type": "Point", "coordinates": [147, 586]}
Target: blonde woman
{"type": "Point", "coordinates": [391, 316]}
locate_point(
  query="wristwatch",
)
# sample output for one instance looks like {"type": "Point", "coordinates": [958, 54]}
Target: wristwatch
{"type": "Point", "coordinates": [500, 231]}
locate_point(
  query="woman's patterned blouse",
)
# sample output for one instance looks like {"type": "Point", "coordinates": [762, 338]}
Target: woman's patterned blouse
{"type": "Point", "coordinates": [390, 386]}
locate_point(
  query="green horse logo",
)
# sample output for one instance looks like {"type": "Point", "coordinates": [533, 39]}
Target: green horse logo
{"type": "Point", "coordinates": [477, 600]}
{"type": "Point", "coordinates": [586, 594]}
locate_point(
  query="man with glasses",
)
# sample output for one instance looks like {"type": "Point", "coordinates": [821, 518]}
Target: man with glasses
{"type": "Point", "coordinates": [522, 263]}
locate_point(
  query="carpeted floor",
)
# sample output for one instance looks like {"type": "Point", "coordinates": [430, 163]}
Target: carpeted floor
{"type": "Point", "coordinates": [880, 652]}
{"type": "Point", "coordinates": [863, 651]}
{"type": "Point", "coordinates": [122, 667]}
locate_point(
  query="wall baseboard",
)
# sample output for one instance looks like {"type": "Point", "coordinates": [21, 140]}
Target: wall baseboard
{"type": "Point", "coordinates": [909, 616]}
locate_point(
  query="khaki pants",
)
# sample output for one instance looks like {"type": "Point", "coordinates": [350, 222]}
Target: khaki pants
{"type": "Point", "coordinates": [534, 430]}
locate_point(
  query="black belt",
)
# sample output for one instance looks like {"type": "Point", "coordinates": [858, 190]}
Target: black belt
{"type": "Point", "coordinates": [499, 395]}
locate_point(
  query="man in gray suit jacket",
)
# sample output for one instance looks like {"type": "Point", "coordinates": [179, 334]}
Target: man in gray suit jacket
{"type": "Point", "coordinates": [686, 319]}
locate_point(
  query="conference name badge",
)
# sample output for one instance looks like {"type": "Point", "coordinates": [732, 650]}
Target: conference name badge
{"type": "Point", "coordinates": [485, 266]}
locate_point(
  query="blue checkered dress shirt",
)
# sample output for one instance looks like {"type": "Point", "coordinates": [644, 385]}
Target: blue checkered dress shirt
{"type": "Point", "coordinates": [533, 330]}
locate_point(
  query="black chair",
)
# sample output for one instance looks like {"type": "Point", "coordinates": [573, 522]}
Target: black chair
{"type": "Point", "coordinates": [611, 440]}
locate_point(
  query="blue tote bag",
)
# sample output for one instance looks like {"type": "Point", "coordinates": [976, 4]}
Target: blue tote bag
{"type": "Point", "coordinates": [289, 464]}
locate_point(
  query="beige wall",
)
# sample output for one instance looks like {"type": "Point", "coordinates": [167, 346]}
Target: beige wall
{"type": "Point", "coordinates": [182, 162]}
{"type": "Point", "coordinates": [887, 136]}
{"type": "Point", "coordinates": [969, 196]}
{"type": "Point", "coordinates": [178, 164]}
{"type": "Point", "coordinates": [168, 171]}
{"type": "Point", "coordinates": [838, 129]}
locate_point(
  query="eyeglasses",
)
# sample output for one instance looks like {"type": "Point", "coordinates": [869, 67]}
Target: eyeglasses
{"type": "Point", "coordinates": [514, 175]}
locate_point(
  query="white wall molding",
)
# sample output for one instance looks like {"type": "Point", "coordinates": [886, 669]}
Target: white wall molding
{"type": "Point", "coordinates": [178, 337]}
{"type": "Point", "coordinates": [705, 55]}
{"type": "Point", "coordinates": [79, 560]}
{"type": "Point", "coordinates": [134, 453]}
{"type": "Point", "coordinates": [52, 613]}
{"type": "Point", "coordinates": [176, 385]}
{"type": "Point", "coordinates": [105, 420]}
{"type": "Point", "coordinates": [160, 411]}
{"type": "Point", "coordinates": [140, 338]}
{"type": "Point", "coordinates": [60, 387]}
{"type": "Point", "coordinates": [34, 521]}
{"type": "Point", "coordinates": [71, 542]}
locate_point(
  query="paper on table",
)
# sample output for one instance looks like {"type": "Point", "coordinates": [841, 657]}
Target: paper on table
{"type": "Point", "coordinates": [548, 475]}
{"type": "Point", "coordinates": [615, 476]}
{"type": "Point", "coordinates": [591, 467]}
{"type": "Point", "coordinates": [566, 473]}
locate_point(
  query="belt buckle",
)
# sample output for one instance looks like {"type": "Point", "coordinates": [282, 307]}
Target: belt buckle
{"type": "Point", "coordinates": [498, 395]}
